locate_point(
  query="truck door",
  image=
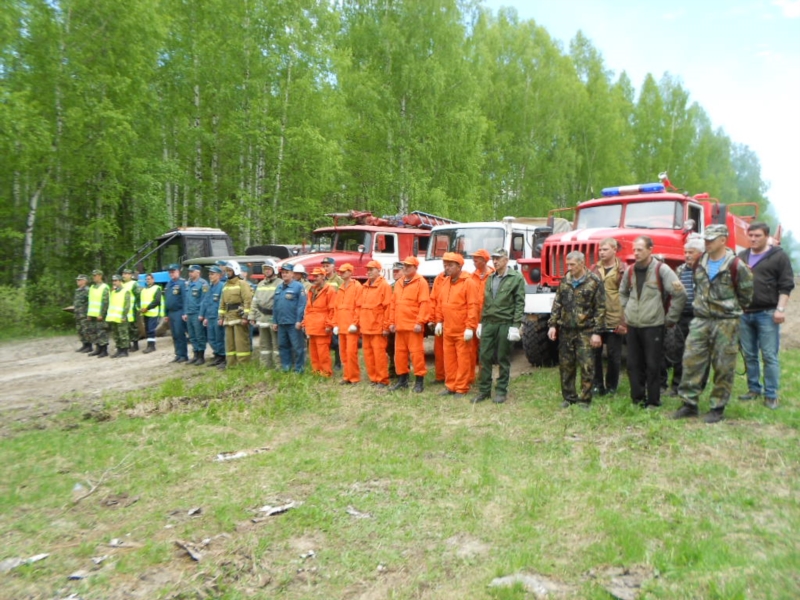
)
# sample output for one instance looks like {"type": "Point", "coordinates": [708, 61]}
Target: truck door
{"type": "Point", "coordinates": [385, 251]}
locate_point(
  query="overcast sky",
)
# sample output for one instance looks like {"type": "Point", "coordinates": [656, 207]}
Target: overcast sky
{"type": "Point", "coordinates": [739, 60]}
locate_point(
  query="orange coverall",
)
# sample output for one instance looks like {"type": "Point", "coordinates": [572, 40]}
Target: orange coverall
{"type": "Point", "coordinates": [372, 319]}
{"type": "Point", "coordinates": [409, 308]}
{"type": "Point", "coordinates": [480, 279]}
{"type": "Point", "coordinates": [457, 310]}
{"type": "Point", "coordinates": [320, 310]}
{"type": "Point", "coordinates": [438, 340]}
{"type": "Point", "coordinates": [346, 314]}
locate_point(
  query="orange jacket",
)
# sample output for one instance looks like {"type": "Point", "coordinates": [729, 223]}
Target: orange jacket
{"type": "Point", "coordinates": [409, 303]}
{"type": "Point", "coordinates": [436, 293]}
{"type": "Point", "coordinates": [320, 310]}
{"type": "Point", "coordinates": [457, 306]}
{"type": "Point", "coordinates": [481, 280]}
{"type": "Point", "coordinates": [347, 305]}
{"type": "Point", "coordinates": [372, 316]}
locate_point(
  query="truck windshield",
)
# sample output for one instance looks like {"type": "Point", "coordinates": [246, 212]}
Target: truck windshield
{"type": "Point", "coordinates": [342, 241]}
{"type": "Point", "coordinates": [605, 216]}
{"type": "Point", "coordinates": [465, 240]}
{"type": "Point", "coordinates": [654, 215]}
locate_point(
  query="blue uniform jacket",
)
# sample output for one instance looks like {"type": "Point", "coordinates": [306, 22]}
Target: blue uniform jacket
{"type": "Point", "coordinates": [290, 303]}
{"type": "Point", "coordinates": [174, 293]}
{"type": "Point", "coordinates": [209, 307]}
{"type": "Point", "coordinates": [195, 292]}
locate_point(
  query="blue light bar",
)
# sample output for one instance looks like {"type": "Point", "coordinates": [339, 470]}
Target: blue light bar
{"type": "Point", "coordinates": [626, 190]}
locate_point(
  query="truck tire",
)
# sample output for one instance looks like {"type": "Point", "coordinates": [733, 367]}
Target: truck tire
{"type": "Point", "coordinates": [539, 349]}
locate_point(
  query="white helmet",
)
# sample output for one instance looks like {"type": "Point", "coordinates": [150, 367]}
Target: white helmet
{"type": "Point", "coordinates": [234, 266]}
{"type": "Point", "coordinates": [268, 264]}
{"type": "Point", "coordinates": [300, 269]}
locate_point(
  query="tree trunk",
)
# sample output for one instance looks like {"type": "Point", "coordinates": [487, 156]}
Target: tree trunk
{"type": "Point", "coordinates": [27, 250]}
{"type": "Point", "coordinates": [279, 165]}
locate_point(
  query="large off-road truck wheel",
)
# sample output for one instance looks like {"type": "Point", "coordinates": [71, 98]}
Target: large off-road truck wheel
{"type": "Point", "coordinates": [539, 350]}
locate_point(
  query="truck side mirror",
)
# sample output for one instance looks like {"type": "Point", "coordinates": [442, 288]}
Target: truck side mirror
{"type": "Point", "coordinates": [688, 226]}
{"type": "Point", "coordinates": [361, 249]}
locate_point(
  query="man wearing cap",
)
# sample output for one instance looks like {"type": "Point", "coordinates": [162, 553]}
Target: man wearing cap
{"type": "Point", "coordinates": [196, 290]}
{"type": "Point", "coordinates": [261, 315]}
{"type": "Point", "coordinates": [501, 319]}
{"type": "Point", "coordinates": [96, 314]}
{"type": "Point", "coordinates": [652, 298]}
{"type": "Point", "coordinates": [130, 284]}
{"type": "Point", "coordinates": [209, 313]}
{"type": "Point", "coordinates": [723, 286]}
{"type": "Point", "coordinates": [152, 307]}
{"type": "Point", "coordinates": [610, 270]}
{"type": "Point", "coordinates": [287, 320]}
{"type": "Point", "coordinates": [397, 274]}
{"type": "Point", "coordinates": [234, 311]}
{"type": "Point", "coordinates": [318, 322]}
{"type": "Point", "coordinates": [408, 314]}
{"type": "Point", "coordinates": [345, 324]}
{"type": "Point", "coordinates": [335, 281]}
{"type": "Point", "coordinates": [80, 304]}
{"type": "Point", "coordinates": [372, 320]}
{"type": "Point", "coordinates": [438, 340]}
{"type": "Point", "coordinates": [119, 310]}
{"type": "Point", "coordinates": [480, 276]}
{"type": "Point", "coordinates": [761, 322]}
{"type": "Point", "coordinates": [174, 294]}
{"type": "Point", "coordinates": [577, 321]}
{"type": "Point", "coordinates": [456, 320]}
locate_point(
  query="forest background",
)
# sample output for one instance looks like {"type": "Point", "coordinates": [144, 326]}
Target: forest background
{"type": "Point", "coordinates": [121, 120]}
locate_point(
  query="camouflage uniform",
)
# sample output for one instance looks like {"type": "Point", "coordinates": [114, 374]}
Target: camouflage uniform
{"type": "Point", "coordinates": [80, 304]}
{"type": "Point", "coordinates": [578, 313]}
{"type": "Point", "coordinates": [714, 331]}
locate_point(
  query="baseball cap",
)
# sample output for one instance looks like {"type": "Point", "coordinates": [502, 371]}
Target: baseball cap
{"type": "Point", "coordinates": [714, 231]}
{"type": "Point", "coordinates": [396, 266]}
{"type": "Point", "coordinates": [411, 261]}
{"type": "Point", "coordinates": [128, 271]}
{"type": "Point", "coordinates": [173, 267]}
{"type": "Point", "coordinates": [374, 264]}
{"type": "Point", "coordinates": [287, 267]}
{"type": "Point", "coordinates": [244, 268]}
{"type": "Point", "coordinates": [215, 269]}
{"type": "Point", "coordinates": [328, 260]}
{"type": "Point", "coordinates": [453, 257]}
{"type": "Point", "coordinates": [97, 272]}
{"type": "Point", "coordinates": [498, 252]}
{"type": "Point", "coordinates": [482, 253]}
{"type": "Point", "coordinates": [116, 277]}
{"type": "Point", "coordinates": [346, 267]}
{"type": "Point", "coordinates": [82, 276]}
{"type": "Point", "coordinates": [195, 268]}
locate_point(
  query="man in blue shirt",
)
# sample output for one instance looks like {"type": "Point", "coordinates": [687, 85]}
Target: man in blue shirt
{"type": "Point", "coordinates": [287, 317]}
{"type": "Point", "coordinates": [196, 290]}
{"type": "Point", "coordinates": [209, 312]}
{"type": "Point", "coordinates": [174, 292]}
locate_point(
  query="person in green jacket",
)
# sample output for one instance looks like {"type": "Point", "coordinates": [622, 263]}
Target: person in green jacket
{"type": "Point", "coordinates": [499, 327]}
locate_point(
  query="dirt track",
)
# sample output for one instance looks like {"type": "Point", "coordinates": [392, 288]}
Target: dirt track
{"type": "Point", "coordinates": [46, 376]}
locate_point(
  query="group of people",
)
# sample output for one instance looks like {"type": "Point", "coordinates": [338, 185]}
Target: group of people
{"type": "Point", "coordinates": [689, 320]}
{"type": "Point", "coordinates": [705, 310]}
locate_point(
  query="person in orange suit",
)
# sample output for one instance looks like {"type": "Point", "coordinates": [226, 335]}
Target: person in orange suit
{"type": "Point", "coordinates": [318, 322]}
{"type": "Point", "coordinates": [345, 327]}
{"type": "Point", "coordinates": [456, 320]}
{"type": "Point", "coordinates": [480, 275]}
{"type": "Point", "coordinates": [408, 314]}
{"type": "Point", "coordinates": [372, 319]}
{"type": "Point", "coordinates": [438, 341]}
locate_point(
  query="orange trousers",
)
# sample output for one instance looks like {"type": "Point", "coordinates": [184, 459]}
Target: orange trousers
{"type": "Point", "coordinates": [348, 351]}
{"type": "Point", "coordinates": [405, 343]}
{"type": "Point", "coordinates": [375, 357]}
{"type": "Point", "coordinates": [459, 366]}
{"type": "Point", "coordinates": [438, 355]}
{"type": "Point", "coordinates": [319, 347]}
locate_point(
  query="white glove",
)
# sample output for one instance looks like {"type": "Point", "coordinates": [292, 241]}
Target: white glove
{"type": "Point", "coordinates": [352, 329]}
{"type": "Point", "coordinates": [468, 335]}
{"type": "Point", "coordinates": [439, 329]}
{"type": "Point", "coordinates": [478, 332]}
{"type": "Point", "coordinates": [513, 334]}
{"type": "Point", "coordinates": [336, 331]}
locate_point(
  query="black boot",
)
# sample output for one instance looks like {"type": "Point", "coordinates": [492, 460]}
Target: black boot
{"type": "Point", "coordinates": [116, 354]}
{"type": "Point", "coordinates": [103, 351]}
{"type": "Point", "coordinates": [419, 384]}
{"type": "Point", "coordinates": [86, 347]}
{"type": "Point", "coordinates": [402, 383]}
{"type": "Point", "coordinates": [199, 359]}
{"type": "Point", "coordinates": [95, 352]}
{"type": "Point", "coordinates": [151, 347]}
{"type": "Point", "coordinates": [194, 358]}
{"type": "Point", "coordinates": [135, 346]}
{"type": "Point", "coordinates": [213, 361]}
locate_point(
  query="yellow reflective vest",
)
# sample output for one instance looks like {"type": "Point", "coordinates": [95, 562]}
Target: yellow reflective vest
{"type": "Point", "coordinates": [146, 299]}
{"type": "Point", "coordinates": [96, 294]}
{"type": "Point", "coordinates": [119, 307]}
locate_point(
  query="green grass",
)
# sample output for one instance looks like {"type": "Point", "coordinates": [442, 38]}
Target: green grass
{"type": "Point", "coordinates": [458, 494]}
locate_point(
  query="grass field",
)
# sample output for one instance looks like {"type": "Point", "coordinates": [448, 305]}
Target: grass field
{"type": "Point", "coordinates": [400, 496]}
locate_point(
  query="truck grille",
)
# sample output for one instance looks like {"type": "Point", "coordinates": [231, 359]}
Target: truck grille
{"type": "Point", "coordinates": [554, 256]}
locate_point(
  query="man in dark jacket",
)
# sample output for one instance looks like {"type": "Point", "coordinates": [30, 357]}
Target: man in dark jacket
{"type": "Point", "coordinates": [761, 322]}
